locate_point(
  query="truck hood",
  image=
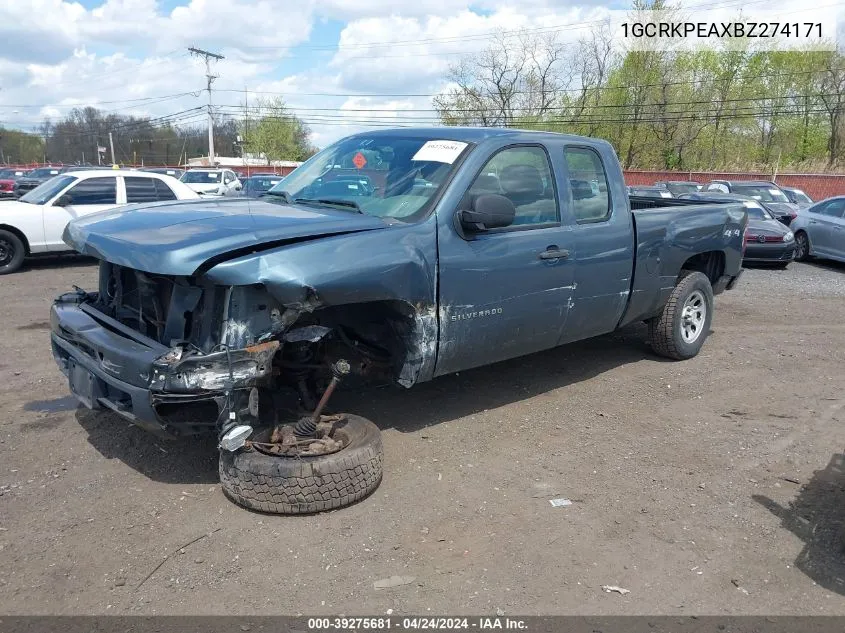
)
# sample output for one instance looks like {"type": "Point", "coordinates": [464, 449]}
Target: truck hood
{"type": "Point", "coordinates": [177, 238]}
{"type": "Point", "coordinates": [781, 208]}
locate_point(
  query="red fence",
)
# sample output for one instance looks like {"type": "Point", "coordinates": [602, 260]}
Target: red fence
{"type": "Point", "coordinates": [240, 169]}
{"type": "Point", "coordinates": [817, 186]}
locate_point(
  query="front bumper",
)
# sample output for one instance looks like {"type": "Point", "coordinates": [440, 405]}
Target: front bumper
{"type": "Point", "coordinates": [110, 366]}
{"type": "Point", "coordinates": [772, 252]}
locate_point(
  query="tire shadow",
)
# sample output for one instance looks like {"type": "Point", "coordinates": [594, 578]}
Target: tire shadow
{"type": "Point", "coordinates": [817, 517]}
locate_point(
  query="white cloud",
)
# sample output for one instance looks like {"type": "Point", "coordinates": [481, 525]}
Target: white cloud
{"type": "Point", "coordinates": [68, 55]}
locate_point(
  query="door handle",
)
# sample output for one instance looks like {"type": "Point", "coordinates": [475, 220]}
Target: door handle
{"type": "Point", "coordinates": [554, 253]}
{"type": "Point", "coordinates": [813, 222]}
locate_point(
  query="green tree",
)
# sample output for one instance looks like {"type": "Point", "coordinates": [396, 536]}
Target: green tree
{"type": "Point", "coordinates": [270, 130]}
{"type": "Point", "coordinates": [20, 147]}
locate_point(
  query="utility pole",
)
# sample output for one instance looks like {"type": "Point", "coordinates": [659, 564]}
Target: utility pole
{"type": "Point", "coordinates": [246, 130]}
{"type": "Point", "coordinates": [210, 78]}
{"type": "Point", "coordinates": [111, 145]}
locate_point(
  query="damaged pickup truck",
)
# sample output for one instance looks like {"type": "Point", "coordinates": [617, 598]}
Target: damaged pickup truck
{"type": "Point", "coordinates": [395, 255]}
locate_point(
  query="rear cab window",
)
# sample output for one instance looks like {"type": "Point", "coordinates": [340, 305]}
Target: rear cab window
{"type": "Point", "coordinates": [142, 189]}
{"type": "Point", "coordinates": [588, 183]}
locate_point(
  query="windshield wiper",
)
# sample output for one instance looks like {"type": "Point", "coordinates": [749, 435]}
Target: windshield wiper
{"type": "Point", "coordinates": [340, 202]}
{"type": "Point", "coordinates": [284, 195]}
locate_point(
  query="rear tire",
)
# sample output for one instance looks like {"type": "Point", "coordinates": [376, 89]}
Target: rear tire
{"type": "Point", "coordinates": [802, 247]}
{"type": "Point", "coordinates": [682, 327]}
{"type": "Point", "coordinates": [12, 252]}
{"type": "Point", "coordinates": [304, 485]}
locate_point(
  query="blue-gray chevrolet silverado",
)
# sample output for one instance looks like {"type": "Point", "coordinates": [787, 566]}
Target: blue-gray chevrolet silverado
{"type": "Point", "coordinates": [397, 255]}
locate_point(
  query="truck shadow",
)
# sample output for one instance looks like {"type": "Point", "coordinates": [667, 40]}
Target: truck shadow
{"type": "Point", "coordinates": [406, 410]}
{"type": "Point", "coordinates": [457, 395]}
{"type": "Point", "coordinates": [817, 517]}
{"type": "Point", "coordinates": [171, 461]}
{"type": "Point", "coordinates": [64, 260]}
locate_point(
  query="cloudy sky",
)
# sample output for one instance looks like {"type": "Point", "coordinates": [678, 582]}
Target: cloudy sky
{"type": "Point", "coordinates": [340, 64]}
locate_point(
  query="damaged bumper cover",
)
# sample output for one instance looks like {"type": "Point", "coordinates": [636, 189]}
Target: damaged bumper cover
{"type": "Point", "coordinates": [110, 366]}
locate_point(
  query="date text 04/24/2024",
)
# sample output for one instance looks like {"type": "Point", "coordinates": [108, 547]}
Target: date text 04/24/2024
{"type": "Point", "coordinates": [429, 623]}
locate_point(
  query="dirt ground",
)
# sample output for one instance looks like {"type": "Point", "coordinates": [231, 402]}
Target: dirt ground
{"type": "Point", "coordinates": [712, 486]}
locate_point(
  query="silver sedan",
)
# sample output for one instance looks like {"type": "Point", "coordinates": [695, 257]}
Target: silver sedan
{"type": "Point", "coordinates": [820, 230]}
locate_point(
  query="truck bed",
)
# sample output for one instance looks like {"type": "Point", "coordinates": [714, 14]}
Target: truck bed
{"type": "Point", "coordinates": [671, 235]}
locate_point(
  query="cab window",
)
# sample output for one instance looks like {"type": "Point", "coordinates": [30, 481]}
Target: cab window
{"type": "Point", "coordinates": [524, 176]}
{"type": "Point", "coordinates": [94, 191]}
{"type": "Point", "coordinates": [588, 181]}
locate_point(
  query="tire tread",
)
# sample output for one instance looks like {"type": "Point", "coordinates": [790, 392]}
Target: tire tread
{"type": "Point", "coordinates": [307, 485]}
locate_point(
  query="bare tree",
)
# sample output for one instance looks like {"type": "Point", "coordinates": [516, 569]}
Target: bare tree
{"type": "Point", "coordinates": [591, 65]}
{"type": "Point", "coordinates": [517, 77]}
{"type": "Point", "coordinates": [833, 99]}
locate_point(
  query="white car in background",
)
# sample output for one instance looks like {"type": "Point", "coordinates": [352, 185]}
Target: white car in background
{"type": "Point", "coordinates": [34, 223]}
{"type": "Point", "coordinates": [212, 182]}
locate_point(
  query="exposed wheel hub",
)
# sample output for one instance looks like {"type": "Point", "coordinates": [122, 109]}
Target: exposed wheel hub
{"type": "Point", "coordinates": [284, 442]}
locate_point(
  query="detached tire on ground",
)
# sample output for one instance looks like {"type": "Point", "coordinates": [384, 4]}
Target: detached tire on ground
{"type": "Point", "coordinates": [681, 329]}
{"type": "Point", "coordinates": [304, 485]}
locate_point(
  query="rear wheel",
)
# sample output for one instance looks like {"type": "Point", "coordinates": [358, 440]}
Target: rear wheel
{"type": "Point", "coordinates": [802, 247]}
{"type": "Point", "coordinates": [12, 252]}
{"type": "Point", "coordinates": [682, 327]}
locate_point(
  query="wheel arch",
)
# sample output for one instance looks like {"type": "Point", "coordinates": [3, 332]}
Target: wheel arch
{"type": "Point", "coordinates": [711, 263]}
{"type": "Point", "coordinates": [19, 234]}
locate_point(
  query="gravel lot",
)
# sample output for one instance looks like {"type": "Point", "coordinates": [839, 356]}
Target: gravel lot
{"type": "Point", "coordinates": [712, 486]}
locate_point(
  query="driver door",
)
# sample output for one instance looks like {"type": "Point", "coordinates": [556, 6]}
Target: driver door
{"type": "Point", "coordinates": [86, 196]}
{"type": "Point", "coordinates": [506, 292]}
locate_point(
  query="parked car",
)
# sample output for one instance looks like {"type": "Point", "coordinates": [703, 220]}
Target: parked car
{"type": "Point", "coordinates": [820, 230]}
{"type": "Point", "coordinates": [645, 191]}
{"type": "Point", "coordinates": [11, 173]}
{"type": "Point", "coordinates": [35, 177]}
{"type": "Point", "coordinates": [678, 187]}
{"type": "Point", "coordinates": [209, 315]}
{"type": "Point", "coordinates": [255, 186]}
{"type": "Point", "coordinates": [34, 223]}
{"type": "Point", "coordinates": [797, 196]}
{"type": "Point", "coordinates": [7, 186]}
{"type": "Point", "coordinates": [167, 171]}
{"type": "Point", "coordinates": [767, 240]}
{"type": "Point", "coordinates": [212, 182]}
{"type": "Point", "coordinates": [767, 193]}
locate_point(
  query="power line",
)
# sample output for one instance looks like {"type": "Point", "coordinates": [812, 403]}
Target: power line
{"type": "Point", "coordinates": [96, 103]}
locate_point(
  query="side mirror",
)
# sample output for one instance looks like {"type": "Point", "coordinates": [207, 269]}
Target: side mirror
{"type": "Point", "coordinates": [238, 187]}
{"type": "Point", "coordinates": [488, 211]}
{"type": "Point", "coordinates": [63, 201]}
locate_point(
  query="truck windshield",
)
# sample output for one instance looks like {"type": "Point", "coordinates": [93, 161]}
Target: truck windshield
{"type": "Point", "coordinates": [761, 192]}
{"type": "Point", "coordinates": [389, 176]}
{"type": "Point", "coordinates": [678, 188]}
{"type": "Point", "coordinates": [201, 176]}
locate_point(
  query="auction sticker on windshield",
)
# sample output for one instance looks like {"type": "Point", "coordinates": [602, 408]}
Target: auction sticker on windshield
{"type": "Point", "coordinates": [440, 151]}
